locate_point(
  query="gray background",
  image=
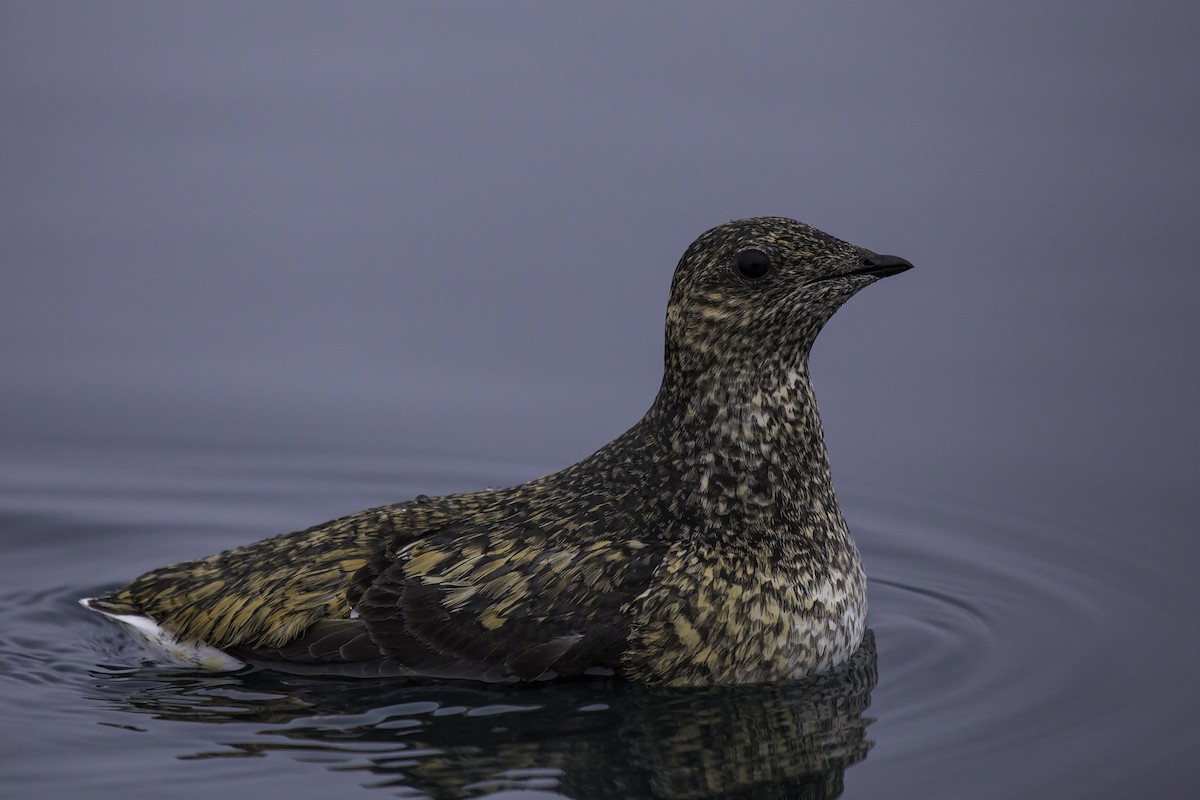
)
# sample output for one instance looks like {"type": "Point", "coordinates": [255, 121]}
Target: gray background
{"type": "Point", "coordinates": [451, 229]}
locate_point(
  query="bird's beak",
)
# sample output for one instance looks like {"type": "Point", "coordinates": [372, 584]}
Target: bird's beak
{"type": "Point", "coordinates": [881, 266]}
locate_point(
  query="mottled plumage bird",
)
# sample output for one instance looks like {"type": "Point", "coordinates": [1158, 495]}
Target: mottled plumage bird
{"type": "Point", "coordinates": [704, 545]}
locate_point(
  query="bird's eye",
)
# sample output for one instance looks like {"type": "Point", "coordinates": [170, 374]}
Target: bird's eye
{"type": "Point", "coordinates": [753, 264]}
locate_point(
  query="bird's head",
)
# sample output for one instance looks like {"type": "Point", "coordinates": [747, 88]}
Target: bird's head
{"type": "Point", "coordinates": [753, 294]}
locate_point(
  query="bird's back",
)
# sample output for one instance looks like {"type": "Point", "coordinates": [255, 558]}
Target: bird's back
{"type": "Point", "coordinates": [505, 584]}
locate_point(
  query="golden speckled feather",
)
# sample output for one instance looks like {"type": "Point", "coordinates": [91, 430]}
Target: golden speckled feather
{"type": "Point", "coordinates": [704, 545]}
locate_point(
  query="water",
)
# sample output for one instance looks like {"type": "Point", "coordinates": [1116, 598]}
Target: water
{"type": "Point", "coordinates": [1006, 660]}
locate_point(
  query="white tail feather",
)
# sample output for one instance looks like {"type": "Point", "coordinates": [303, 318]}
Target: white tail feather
{"type": "Point", "coordinates": [161, 642]}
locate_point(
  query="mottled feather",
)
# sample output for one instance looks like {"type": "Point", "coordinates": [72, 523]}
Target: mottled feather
{"type": "Point", "coordinates": [704, 545]}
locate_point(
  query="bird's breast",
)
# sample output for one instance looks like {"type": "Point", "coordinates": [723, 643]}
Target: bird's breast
{"type": "Point", "coordinates": [715, 616]}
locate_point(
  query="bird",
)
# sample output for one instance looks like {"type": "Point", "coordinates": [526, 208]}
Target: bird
{"type": "Point", "coordinates": [703, 546]}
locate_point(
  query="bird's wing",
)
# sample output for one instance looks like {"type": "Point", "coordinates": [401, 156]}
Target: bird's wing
{"type": "Point", "coordinates": [504, 604]}
{"type": "Point", "coordinates": [261, 595]}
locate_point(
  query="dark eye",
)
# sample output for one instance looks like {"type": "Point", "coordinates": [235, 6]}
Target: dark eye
{"type": "Point", "coordinates": [753, 264]}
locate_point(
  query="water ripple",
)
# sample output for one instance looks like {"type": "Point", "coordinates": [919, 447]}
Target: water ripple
{"type": "Point", "coordinates": [983, 621]}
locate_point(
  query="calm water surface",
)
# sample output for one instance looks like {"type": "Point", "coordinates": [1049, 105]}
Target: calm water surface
{"type": "Point", "coordinates": [993, 670]}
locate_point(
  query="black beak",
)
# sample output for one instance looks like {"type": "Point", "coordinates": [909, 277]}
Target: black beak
{"type": "Point", "coordinates": [881, 266]}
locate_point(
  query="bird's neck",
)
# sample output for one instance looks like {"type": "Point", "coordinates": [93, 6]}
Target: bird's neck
{"type": "Point", "coordinates": [752, 448]}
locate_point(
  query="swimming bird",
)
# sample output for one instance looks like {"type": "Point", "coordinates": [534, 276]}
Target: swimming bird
{"type": "Point", "coordinates": [704, 545]}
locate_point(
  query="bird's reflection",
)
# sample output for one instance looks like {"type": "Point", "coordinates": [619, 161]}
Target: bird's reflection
{"type": "Point", "coordinates": [583, 740]}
